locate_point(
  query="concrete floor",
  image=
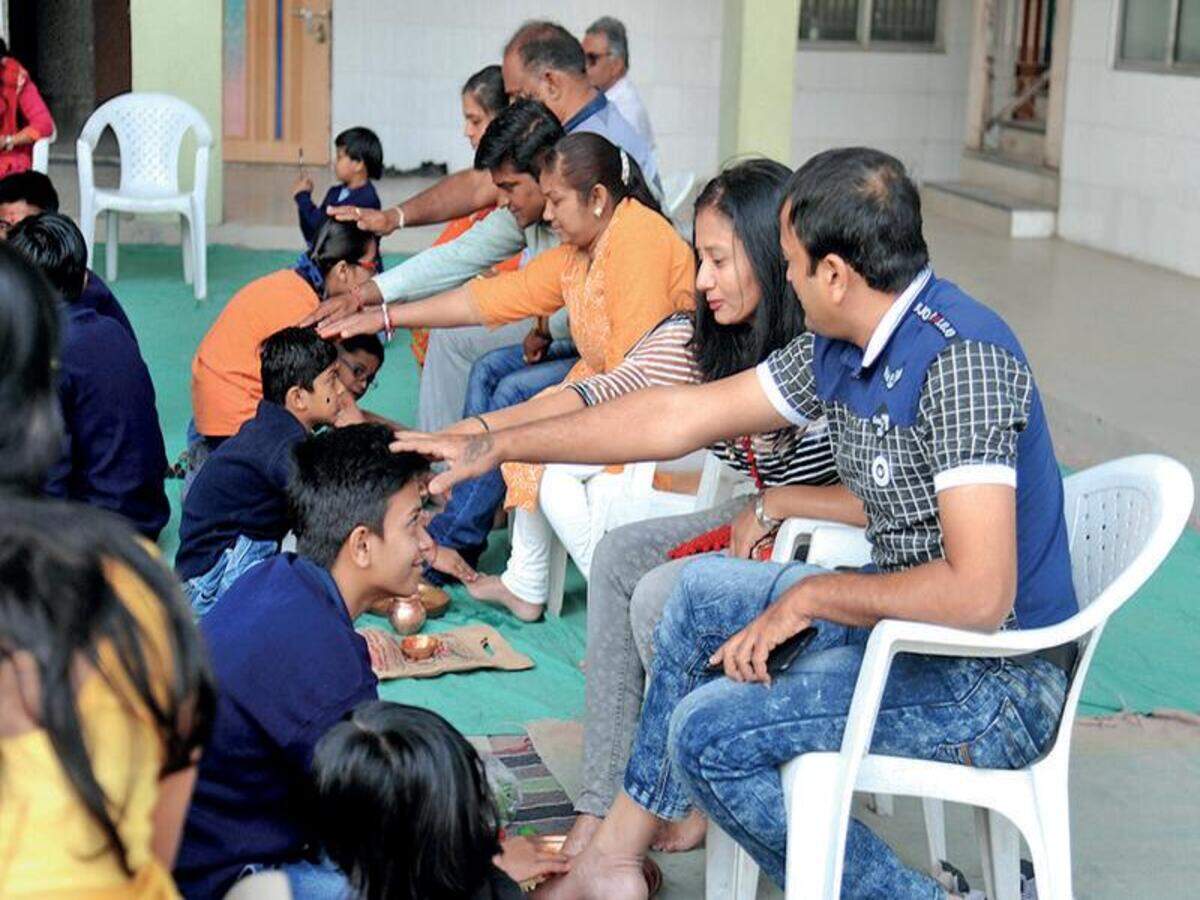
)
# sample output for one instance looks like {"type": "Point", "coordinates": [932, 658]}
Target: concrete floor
{"type": "Point", "coordinates": [1135, 792]}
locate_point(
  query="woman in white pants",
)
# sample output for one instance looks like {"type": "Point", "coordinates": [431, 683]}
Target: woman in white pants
{"type": "Point", "coordinates": [744, 311]}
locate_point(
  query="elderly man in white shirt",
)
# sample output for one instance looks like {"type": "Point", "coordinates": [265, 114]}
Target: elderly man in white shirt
{"type": "Point", "coordinates": [606, 50]}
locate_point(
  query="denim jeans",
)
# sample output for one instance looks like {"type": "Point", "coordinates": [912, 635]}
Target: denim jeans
{"type": "Point", "coordinates": [498, 380]}
{"type": "Point", "coordinates": [502, 377]}
{"type": "Point", "coordinates": [717, 743]}
{"type": "Point", "coordinates": [205, 590]}
{"type": "Point", "coordinates": [309, 880]}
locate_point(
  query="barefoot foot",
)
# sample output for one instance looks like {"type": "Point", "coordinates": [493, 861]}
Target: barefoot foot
{"type": "Point", "coordinates": [598, 875]}
{"type": "Point", "coordinates": [581, 834]}
{"type": "Point", "coordinates": [490, 589]}
{"type": "Point", "coordinates": [684, 835]}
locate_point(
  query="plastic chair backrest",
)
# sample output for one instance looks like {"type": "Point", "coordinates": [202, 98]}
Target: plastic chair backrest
{"type": "Point", "coordinates": [1123, 517]}
{"type": "Point", "coordinates": [149, 128]}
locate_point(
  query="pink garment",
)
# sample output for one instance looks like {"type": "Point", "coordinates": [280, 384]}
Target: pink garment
{"type": "Point", "coordinates": [22, 111]}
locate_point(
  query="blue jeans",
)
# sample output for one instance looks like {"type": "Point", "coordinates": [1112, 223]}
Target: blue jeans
{"type": "Point", "coordinates": [498, 380]}
{"type": "Point", "coordinates": [205, 590]}
{"type": "Point", "coordinates": [502, 377]}
{"type": "Point", "coordinates": [308, 880]}
{"type": "Point", "coordinates": [716, 742]}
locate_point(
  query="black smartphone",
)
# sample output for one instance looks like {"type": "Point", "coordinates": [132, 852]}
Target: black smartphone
{"type": "Point", "coordinates": [781, 658]}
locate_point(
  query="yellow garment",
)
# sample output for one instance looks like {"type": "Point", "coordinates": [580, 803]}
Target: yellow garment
{"type": "Point", "coordinates": [641, 271]}
{"type": "Point", "coordinates": [48, 843]}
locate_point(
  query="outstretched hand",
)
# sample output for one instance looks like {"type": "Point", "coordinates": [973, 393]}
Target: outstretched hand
{"type": "Point", "coordinates": [339, 326]}
{"type": "Point", "coordinates": [374, 220]}
{"type": "Point", "coordinates": [467, 455]}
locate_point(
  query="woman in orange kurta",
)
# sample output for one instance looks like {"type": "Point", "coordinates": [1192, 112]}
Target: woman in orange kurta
{"type": "Point", "coordinates": [483, 98]}
{"type": "Point", "coordinates": [621, 269]}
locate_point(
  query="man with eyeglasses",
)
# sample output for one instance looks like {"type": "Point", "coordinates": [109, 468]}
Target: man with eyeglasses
{"type": "Point", "coordinates": [606, 54]}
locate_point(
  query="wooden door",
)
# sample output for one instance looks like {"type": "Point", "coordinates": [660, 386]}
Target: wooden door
{"type": "Point", "coordinates": [276, 90]}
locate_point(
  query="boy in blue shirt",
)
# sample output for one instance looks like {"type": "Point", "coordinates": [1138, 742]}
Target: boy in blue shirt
{"type": "Point", "coordinates": [236, 512]}
{"type": "Point", "coordinates": [359, 162]}
{"type": "Point", "coordinates": [289, 664]}
{"type": "Point", "coordinates": [113, 454]}
{"type": "Point", "coordinates": [25, 194]}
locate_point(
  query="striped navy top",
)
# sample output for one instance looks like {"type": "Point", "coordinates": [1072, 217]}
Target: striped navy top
{"type": "Point", "coordinates": [791, 455]}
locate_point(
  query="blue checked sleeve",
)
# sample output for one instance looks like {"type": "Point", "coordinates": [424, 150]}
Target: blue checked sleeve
{"type": "Point", "coordinates": [786, 377]}
{"type": "Point", "coordinates": [973, 407]}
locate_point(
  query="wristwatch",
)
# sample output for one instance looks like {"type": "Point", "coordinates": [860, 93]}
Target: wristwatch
{"type": "Point", "coordinates": [765, 522]}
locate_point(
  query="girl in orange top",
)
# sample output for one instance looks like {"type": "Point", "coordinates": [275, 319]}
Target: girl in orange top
{"type": "Point", "coordinates": [483, 98]}
{"type": "Point", "coordinates": [104, 696]}
{"type": "Point", "coordinates": [620, 271]}
{"type": "Point", "coordinates": [226, 378]}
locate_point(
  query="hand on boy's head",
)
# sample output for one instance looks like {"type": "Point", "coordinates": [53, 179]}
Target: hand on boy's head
{"type": "Point", "coordinates": [375, 220]}
{"type": "Point", "coordinates": [302, 185]}
{"type": "Point", "coordinates": [468, 456]}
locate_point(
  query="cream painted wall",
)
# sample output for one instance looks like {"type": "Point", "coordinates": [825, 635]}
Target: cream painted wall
{"type": "Point", "coordinates": [175, 47]}
{"type": "Point", "coordinates": [758, 56]}
{"type": "Point", "coordinates": [398, 68]}
{"type": "Point", "coordinates": [1130, 173]}
{"type": "Point", "coordinates": [911, 104]}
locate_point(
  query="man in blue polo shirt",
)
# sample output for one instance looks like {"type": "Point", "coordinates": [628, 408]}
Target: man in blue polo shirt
{"type": "Point", "coordinates": [289, 664]}
{"type": "Point", "coordinates": [938, 428]}
{"type": "Point", "coordinates": [113, 453]}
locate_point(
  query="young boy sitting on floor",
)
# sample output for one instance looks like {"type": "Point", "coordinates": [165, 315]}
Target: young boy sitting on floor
{"type": "Point", "coordinates": [359, 162]}
{"type": "Point", "coordinates": [113, 454]}
{"type": "Point", "coordinates": [25, 194]}
{"type": "Point", "coordinates": [236, 512]}
{"type": "Point", "coordinates": [289, 664]}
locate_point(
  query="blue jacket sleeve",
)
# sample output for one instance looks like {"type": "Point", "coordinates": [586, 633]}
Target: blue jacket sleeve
{"type": "Point", "coordinates": [312, 217]}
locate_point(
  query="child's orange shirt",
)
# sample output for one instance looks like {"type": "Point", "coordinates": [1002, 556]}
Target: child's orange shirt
{"type": "Point", "coordinates": [226, 371]}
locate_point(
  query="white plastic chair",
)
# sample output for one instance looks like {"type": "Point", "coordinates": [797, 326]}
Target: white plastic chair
{"type": "Point", "coordinates": [41, 152]}
{"type": "Point", "coordinates": [676, 188]}
{"type": "Point", "coordinates": [150, 130]}
{"type": "Point", "coordinates": [1122, 518]}
{"type": "Point", "coordinates": [638, 500]}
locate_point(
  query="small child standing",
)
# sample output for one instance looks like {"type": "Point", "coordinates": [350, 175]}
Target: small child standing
{"type": "Point", "coordinates": [236, 512]}
{"type": "Point", "coordinates": [359, 162]}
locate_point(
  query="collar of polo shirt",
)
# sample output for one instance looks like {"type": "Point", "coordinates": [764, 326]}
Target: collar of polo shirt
{"type": "Point", "coordinates": [891, 319]}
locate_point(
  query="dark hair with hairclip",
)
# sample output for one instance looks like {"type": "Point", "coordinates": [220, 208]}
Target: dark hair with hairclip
{"type": "Point", "coordinates": [585, 160]}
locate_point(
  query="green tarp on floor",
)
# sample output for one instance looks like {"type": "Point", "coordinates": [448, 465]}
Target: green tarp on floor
{"type": "Point", "coordinates": [1149, 656]}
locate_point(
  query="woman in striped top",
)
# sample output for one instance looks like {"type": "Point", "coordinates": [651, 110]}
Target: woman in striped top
{"type": "Point", "coordinates": [744, 311]}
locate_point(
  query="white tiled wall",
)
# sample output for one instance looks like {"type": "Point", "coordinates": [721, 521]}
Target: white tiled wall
{"type": "Point", "coordinates": [1130, 173]}
{"type": "Point", "coordinates": [911, 104]}
{"type": "Point", "coordinates": [398, 68]}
